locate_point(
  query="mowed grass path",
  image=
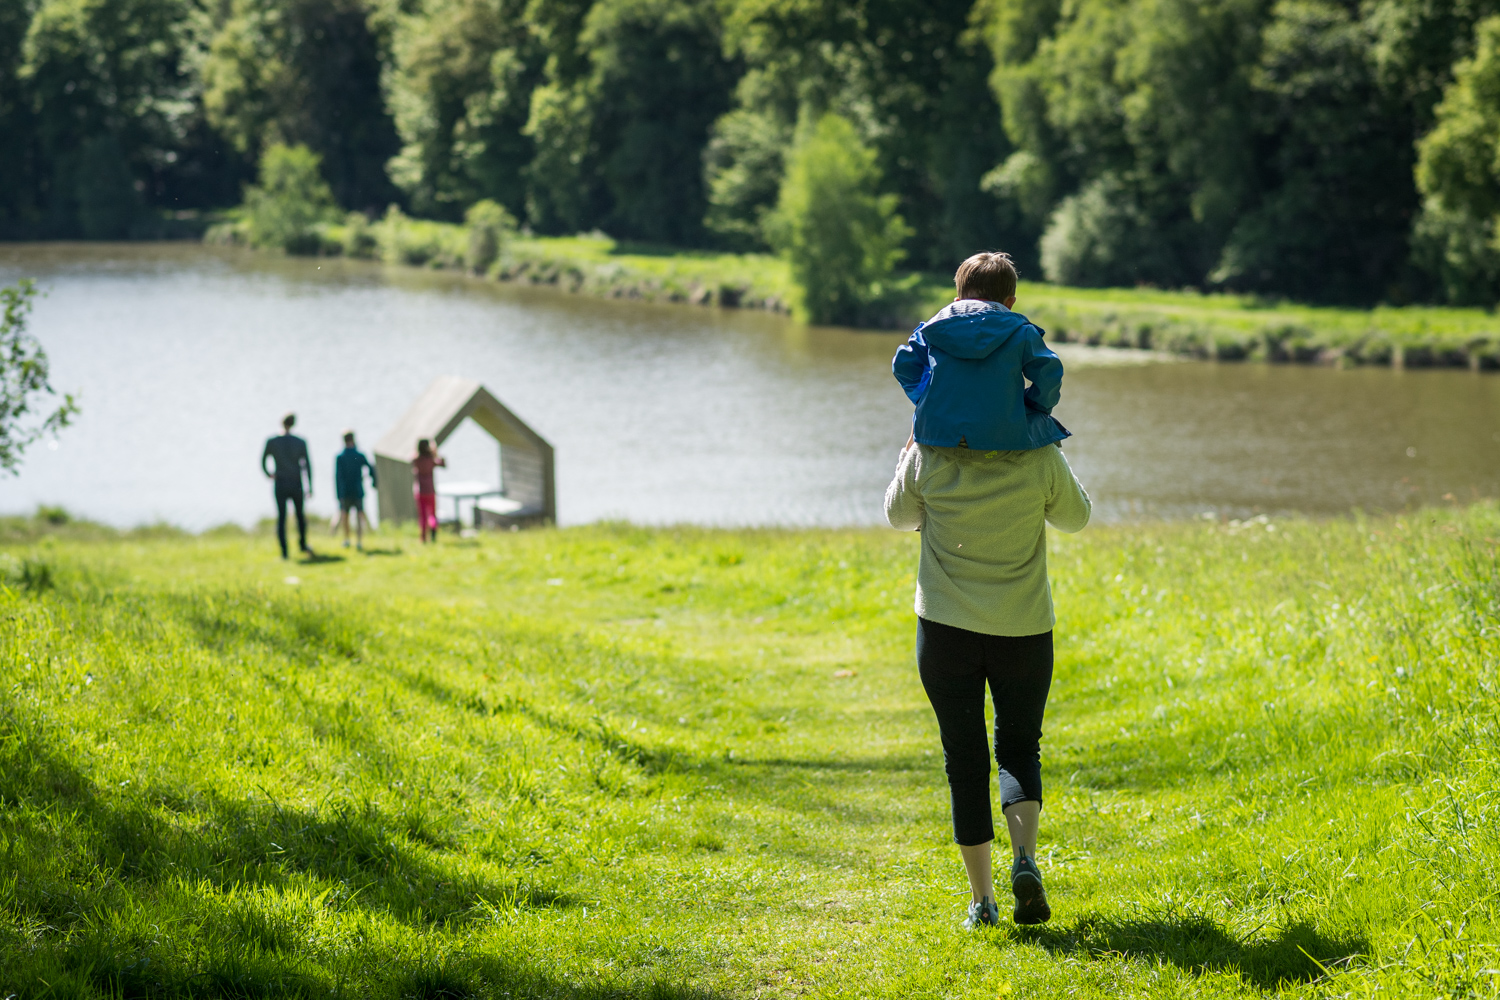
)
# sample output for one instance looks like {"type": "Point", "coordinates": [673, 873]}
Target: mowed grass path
{"type": "Point", "coordinates": [618, 762]}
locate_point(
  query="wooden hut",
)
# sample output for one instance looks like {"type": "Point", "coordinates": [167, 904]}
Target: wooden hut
{"type": "Point", "coordinates": [526, 491]}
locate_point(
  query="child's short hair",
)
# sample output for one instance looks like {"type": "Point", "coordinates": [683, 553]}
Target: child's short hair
{"type": "Point", "coordinates": [986, 276]}
{"type": "Point", "coordinates": [349, 437]}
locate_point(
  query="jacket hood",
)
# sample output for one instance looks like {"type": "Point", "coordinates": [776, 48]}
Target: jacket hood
{"type": "Point", "coordinates": [971, 328]}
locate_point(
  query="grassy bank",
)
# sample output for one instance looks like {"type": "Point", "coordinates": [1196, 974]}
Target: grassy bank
{"type": "Point", "coordinates": [617, 762]}
{"type": "Point", "coordinates": [1233, 328]}
{"type": "Point", "coordinates": [1219, 326]}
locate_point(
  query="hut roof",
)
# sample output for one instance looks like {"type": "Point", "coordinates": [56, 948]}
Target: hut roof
{"type": "Point", "coordinates": [447, 402]}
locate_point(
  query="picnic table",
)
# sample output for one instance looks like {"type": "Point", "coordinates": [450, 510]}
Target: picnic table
{"type": "Point", "coordinates": [481, 493]}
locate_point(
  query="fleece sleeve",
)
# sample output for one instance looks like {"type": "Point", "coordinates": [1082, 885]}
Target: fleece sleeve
{"type": "Point", "coordinates": [904, 510]}
{"type": "Point", "coordinates": [1068, 504]}
{"type": "Point", "coordinates": [911, 367]}
{"type": "Point", "coordinates": [1043, 369]}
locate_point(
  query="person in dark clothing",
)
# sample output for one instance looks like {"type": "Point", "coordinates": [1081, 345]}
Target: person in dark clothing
{"type": "Point", "coordinates": [289, 455]}
{"type": "Point", "coordinates": [349, 482]}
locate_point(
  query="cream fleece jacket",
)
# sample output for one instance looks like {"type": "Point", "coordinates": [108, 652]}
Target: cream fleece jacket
{"type": "Point", "coordinates": [983, 517]}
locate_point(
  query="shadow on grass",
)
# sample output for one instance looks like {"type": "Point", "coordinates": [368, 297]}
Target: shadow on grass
{"type": "Point", "coordinates": [382, 552]}
{"type": "Point", "coordinates": [1196, 943]}
{"type": "Point", "coordinates": [300, 630]}
{"type": "Point", "coordinates": [144, 839]}
{"type": "Point", "coordinates": [251, 973]}
{"type": "Point", "coordinates": [594, 730]}
{"type": "Point", "coordinates": [151, 894]}
{"type": "Point", "coordinates": [316, 558]}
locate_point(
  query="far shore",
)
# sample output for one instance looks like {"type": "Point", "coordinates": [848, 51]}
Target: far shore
{"type": "Point", "coordinates": [1180, 323]}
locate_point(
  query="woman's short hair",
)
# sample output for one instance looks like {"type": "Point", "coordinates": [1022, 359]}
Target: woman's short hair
{"type": "Point", "coordinates": [424, 447]}
{"type": "Point", "coordinates": [986, 276]}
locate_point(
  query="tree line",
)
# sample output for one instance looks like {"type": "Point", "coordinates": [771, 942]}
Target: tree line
{"type": "Point", "coordinates": [1326, 151]}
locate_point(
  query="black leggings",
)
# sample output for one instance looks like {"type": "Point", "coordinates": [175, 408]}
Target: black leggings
{"type": "Point", "coordinates": [294, 494]}
{"type": "Point", "coordinates": [955, 665]}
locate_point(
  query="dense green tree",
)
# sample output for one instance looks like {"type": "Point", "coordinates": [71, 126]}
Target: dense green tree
{"type": "Point", "coordinates": [1264, 145]}
{"type": "Point", "coordinates": [1134, 117]}
{"type": "Point", "coordinates": [659, 81]}
{"type": "Point", "coordinates": [305, 72]}
{"type": "Point", "coordinates": [1238, 143]}
{"type": "Point", "coordinates": [620, 131]}
{"type": "Point", "coordinates": [1332, 205]}
{"type": "Point", "coordinates": [460, 85]}
{"type": "Point", "coordinates": [19, 210]}
{"type": "Point", "coordinates": [909, 74]}
{"type": "Point", "coordinates": [572, 114]}
{"type": "Point", "coordinates": [111, 102]}
{"type": "Point", "coordinates": [1459, 173]}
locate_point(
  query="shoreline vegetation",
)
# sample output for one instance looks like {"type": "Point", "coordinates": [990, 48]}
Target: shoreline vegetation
{"type": "Point", "coordinates": [679, 763]}
{"type": "Point", "coordinates": [1215, 326]}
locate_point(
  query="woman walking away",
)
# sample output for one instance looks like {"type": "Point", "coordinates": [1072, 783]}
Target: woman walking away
{"type": "Point", "coordinates": [422, 465]}
{"type": "Point", "coordinates": [984, 617]}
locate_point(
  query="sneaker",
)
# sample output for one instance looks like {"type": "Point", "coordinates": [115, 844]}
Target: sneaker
{"type": "Point", "coordinates": [1031, 898]}
{"type": "Point", "coordinates": [982, 914]}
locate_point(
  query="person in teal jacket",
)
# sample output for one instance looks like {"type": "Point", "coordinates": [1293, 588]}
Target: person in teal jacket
{"type": "Point", "coordinates": [967, 368]}
{"type": "Point", "coordinates": [349, 482]}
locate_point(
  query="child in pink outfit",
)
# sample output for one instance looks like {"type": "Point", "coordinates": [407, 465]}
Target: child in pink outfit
{"type": "Point", "coordinates": [422, 465]}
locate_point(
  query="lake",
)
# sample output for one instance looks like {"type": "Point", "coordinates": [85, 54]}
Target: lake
{"type": "Point", "coordinates": [184, 358]}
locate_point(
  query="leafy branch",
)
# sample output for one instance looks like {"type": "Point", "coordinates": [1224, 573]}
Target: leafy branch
{"type": "Point", "coordinates": [24, 380]}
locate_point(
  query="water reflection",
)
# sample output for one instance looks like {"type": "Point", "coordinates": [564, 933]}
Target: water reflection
{"type": "Point", "coordinates": [186, 356]}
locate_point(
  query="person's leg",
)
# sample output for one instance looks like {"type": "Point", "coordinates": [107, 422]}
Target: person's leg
{"type": "Point", "coordinates": [1020, 674]}
{"type": "Point", "coordinates": [950, 663]}
{"type": "Point", "coordinates": [344, 523]}
{"type": "Point", "coordinates": [979, 870]}
{"type": "Point", "coordinates": [359, 527]}
{"type": "Point", "coordinates": [281, 499]}
{"type": "Point", "coordinates": [1022, 819]}
{"type": "Point", "coordinates": [297, 502]}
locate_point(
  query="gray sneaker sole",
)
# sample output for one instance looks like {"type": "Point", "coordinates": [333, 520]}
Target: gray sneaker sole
{"type": "Point", "coordinates": [1031, 900]}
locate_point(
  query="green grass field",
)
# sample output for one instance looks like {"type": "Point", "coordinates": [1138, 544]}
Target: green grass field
{"type": "Point", "coordinates": [618, 762]}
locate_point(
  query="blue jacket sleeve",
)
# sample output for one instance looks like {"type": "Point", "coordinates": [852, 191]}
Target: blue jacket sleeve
{"type": "Point", "coordinates": [911, 368]}
{"type": "Point", "coordinates": [371, 466]}
{"type": "Point", "coordinates": [1044, 370]}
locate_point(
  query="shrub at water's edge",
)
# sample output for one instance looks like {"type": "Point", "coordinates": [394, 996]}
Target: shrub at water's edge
{"type": "Point", "coordinates": [841, 236]}
{"type": "Point", "coordinates": [286, 209]}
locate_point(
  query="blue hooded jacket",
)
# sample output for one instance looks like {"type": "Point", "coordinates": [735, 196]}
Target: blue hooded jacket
{"type": "Point", "coordinates": [966, 369]}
